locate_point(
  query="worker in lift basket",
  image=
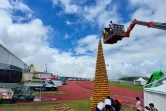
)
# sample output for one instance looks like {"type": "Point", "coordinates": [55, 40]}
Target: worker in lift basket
{"type": "Point", "coordinates": [100, 106]}
{"type": "Point", "coordinates": [104, 34]}
{"type": "Point", "coordinates": [110, 28]}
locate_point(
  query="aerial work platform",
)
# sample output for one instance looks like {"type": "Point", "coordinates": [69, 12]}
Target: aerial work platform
{"type": "Point", "coordinates": [116, 32]}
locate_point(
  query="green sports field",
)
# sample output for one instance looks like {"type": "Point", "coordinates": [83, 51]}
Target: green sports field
{"type": "Point", "coordinates": [127, 85]}
{"type": "Point", "coordinates": [77, 105]}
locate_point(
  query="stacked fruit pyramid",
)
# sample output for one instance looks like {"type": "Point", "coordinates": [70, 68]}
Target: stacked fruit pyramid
{"type": "Point", "coordinates": [61, 107]}
{"type": "Point", "coordinates": [101, 87]}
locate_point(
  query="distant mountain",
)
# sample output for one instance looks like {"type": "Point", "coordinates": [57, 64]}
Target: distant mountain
{"type": "Point", "coordinates": [132, 78]}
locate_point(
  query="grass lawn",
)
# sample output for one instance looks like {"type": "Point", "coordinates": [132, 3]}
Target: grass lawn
{"type": "Point", "coordinates": [127, 85]}
{"type": "Point", "coordinates": [50, 92]}
{"type": "Point", "coordinates": [78, 105]}
{"type": "Point", "coordinates": [36, 80]}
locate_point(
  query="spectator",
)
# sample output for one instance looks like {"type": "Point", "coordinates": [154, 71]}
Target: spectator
{"type": "Point", "coordinates": [100, 106]}
{"type": "Point", "coordinates": [138, 104]}
{"type": "Point", "coordinates": [117, 105]}
{"type": "Point", "coordinates": [152, 108]}
{"type": "Point", "coordinates": [44, 86]}
{"type": "Point", "coordinates": [108, 103]}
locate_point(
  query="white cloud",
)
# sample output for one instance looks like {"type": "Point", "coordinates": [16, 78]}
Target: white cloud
{"type": "Point", "coordinates": [144, 47]}
{"type": "Point", "coordinates": [54, 2]}
{"type": "Point", "coordinates": [89, 43]}
{"type": "Point", "coordinates": [28, 41]}
{"type": "Point", "coordinates": [20, 6]}
{"type": "Point", "coordinates": [97, 14]}
{"type": "Point", "coordinates": [67, 6]}
{"type": "Point", "coordinates": [67, 36]}
{"type": "Point", "coordinates": [68, 22]}
{"type": "Point", "coordinates": [101, 13]}
{"type": "Point", "coordinates": [4, 4]}
{"type": "Point", "coordinates": [137, 55]}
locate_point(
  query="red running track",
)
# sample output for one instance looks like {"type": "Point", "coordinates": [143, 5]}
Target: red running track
{"type": "Point", "coordinates": [127, 95]}
{"type": "Point", "coordinates": [74, 92]}
{"type": "Point", "coordinates": [83, 90]}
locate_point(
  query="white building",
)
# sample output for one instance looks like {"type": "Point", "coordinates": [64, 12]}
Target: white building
{"type": "Point", "coordinates": [27, 76]}
{"type": "Point", "coordinates": [43, 75]}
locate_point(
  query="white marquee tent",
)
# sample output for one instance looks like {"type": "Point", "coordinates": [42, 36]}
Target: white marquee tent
{"type": "Point", "coordinates": [156, 95]}
{"type": "Point", "coordinates": [140, 81]}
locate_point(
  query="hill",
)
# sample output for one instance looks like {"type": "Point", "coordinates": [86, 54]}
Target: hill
{"type": "Point", "coordinates": [132, 78]}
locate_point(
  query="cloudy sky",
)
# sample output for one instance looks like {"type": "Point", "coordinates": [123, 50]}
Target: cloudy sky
{"type": "Point", "coordinates": [65, 34]}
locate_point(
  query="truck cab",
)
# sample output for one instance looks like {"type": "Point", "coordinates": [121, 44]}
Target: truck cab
{"type": "Point", "coordinates": [50, 85]}
{"type": "Point", "coordinates": [63, 79]}
{"type": "Point", "coordinates": [6, 95]}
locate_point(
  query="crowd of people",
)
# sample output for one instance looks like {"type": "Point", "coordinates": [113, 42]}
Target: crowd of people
{"type": "Point", "coordinates": [109, 105]}
{"type": "Point", "coordinates": [116, 105]}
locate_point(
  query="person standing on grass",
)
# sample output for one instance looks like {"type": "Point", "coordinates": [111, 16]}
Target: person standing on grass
{"type": "Point", "coordinates": [117, 105]}
{"type": "Point", "coordinates": [108, 103]}
{"type": "Point", "coordinates": [138, 104]}
{"type": "Point", "coordinates": [100, 106]}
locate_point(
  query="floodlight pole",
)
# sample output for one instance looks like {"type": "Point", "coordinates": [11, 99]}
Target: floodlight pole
{"type": "Point", "coordinates": [46, 68]}
{"type": "Point", "coordinates": [73, 73]}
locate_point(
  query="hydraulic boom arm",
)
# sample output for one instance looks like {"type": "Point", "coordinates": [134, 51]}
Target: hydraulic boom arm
{"type": "Point", "coordinates": [157, 25]}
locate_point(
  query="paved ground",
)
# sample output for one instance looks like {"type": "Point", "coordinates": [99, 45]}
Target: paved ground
{"type": "Point", "coordinates": [83, 90]}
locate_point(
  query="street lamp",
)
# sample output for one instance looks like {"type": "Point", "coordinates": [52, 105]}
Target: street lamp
{"type": "Point", "coordinates": [46, 68]}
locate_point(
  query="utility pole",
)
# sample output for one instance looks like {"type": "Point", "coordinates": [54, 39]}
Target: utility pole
{"type": "Point", "coordinates": [73, 73]}
{"type": "Point", "coordinates": [46, 68]}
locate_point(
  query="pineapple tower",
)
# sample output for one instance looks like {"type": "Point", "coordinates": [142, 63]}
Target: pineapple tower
{"type": "Point", "coordinates": [101, 87]}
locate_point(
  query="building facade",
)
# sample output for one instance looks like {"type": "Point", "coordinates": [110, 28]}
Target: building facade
{"type": "Point", "coordinates": [9, 61]}
{"type": "Point", "coordinates": [11, 67]}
